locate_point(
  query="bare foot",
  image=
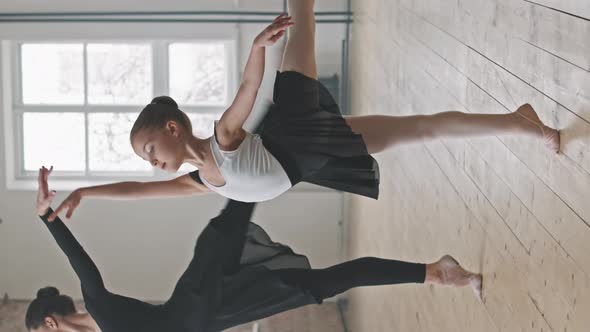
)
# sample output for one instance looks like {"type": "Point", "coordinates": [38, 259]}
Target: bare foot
{"type": "Point", "coordinates": [550, 135]}
{"type": "Point", "coordinates": [451, 273]}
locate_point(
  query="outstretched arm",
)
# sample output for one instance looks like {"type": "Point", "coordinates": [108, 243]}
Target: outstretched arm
{"type": "Point", "coordinates": [90, 278]}
{"type": "Point", "coordinates": [232, 120]}
{"type": "Point", "coordinates": [183, 185]}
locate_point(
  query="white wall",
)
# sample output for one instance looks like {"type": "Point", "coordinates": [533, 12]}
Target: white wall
{"type": "Point", "coordinates": [153, 5]}
{"type": "Point", "coordinates": [142, 247]}
{"type": "Point", "coordinates": [114, 5]}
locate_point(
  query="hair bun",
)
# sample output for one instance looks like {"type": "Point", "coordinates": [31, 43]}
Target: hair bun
{"type": "Point", "coordinates": [47, 292]}
{"type": "Point", "coordinates": [165, 100]}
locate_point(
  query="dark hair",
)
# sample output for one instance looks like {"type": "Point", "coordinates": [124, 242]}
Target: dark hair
{"type": "Point", "coordinates": [48, 302]}
{"type": "Point", "coordinates": [155, 115]}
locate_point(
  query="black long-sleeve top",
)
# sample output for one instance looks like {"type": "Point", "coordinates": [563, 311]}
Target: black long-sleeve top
{"type": "Point", "coordinates": [229, 281]}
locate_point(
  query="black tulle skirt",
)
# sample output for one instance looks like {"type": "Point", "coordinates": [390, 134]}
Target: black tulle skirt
{"type": "Point", "coordinates": [255, 290]}
{"type": "Point", "coordinates": [234, 276]}
{"type": "Point", "coordinates": [306, 132]}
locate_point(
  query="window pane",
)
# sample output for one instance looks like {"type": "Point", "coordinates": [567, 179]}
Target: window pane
{"type": "Point", "coordinates": [203, 123]}
{"type": "Point", "coordinates": [54, 139]}
{"type": "Point", "coordinates": [110, 149]}
{"type": "Point", "coordinates": [198, 75]}
{"type": "Point", "coordinates": [52, 74]}
{"type": "Point", "coordinates": [119, 74]}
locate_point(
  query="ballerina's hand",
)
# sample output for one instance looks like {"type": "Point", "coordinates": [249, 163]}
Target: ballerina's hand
{"type": "Point", "coordinates": [44, 196]}
{"type": "Point", "coordinates": [274, 31]}
{"type": "Point", "coordinates": [70, 204]}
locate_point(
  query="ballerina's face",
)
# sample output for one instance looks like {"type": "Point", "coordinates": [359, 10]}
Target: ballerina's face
{"type": "Point", "coordinates": [162, 148]}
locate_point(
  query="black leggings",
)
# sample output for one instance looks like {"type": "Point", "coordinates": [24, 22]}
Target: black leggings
{"type": "Point", "coordinates": [366, 271]}
{"type": "Point", "coordinates": [321, 283]}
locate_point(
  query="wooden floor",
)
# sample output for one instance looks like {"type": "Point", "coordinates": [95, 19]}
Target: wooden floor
{"type": "Point", "coordinates": [503, 206]}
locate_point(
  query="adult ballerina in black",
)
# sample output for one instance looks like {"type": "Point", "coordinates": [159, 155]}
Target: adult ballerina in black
{"type": "Point", "coordinates": [237, 275]}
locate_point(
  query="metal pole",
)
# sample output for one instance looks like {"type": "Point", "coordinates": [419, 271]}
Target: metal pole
{"type": "Point", "coordinates": [99, 20]}
{"type": "Point", "coordinates": [347, 82]}
{"type": "Point", "coordinates": [166, 13]}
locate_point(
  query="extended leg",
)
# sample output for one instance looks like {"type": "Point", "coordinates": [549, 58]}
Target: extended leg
{"type": "Point", "coordinates": [371, 271]}
{"type": "Point", "coordinates": [367, 271]}
{"type": "Point", "coordinates": [299, 52]}
{"type": "Point", "coordinates": [233, 222]}
{"type": "Point", "coordinates": [221, 242]}
{"type": "Point", "coordinates": [381, 132]}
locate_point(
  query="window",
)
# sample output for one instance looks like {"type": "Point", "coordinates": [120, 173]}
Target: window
{"type": "Point", "coordinates": [73, 103]}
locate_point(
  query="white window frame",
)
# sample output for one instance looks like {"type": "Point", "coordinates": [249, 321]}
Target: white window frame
{"type": "Point", "coordinates": [13, 108]}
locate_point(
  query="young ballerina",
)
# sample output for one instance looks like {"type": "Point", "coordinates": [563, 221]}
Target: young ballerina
{"type": "Point", "coordinates": [303, 138]}
{"type": "Point", "coordinates": [237, 275]}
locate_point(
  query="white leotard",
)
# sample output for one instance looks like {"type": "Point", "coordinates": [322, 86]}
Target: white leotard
{"type": "Point", "coordinates": [251, 172]}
